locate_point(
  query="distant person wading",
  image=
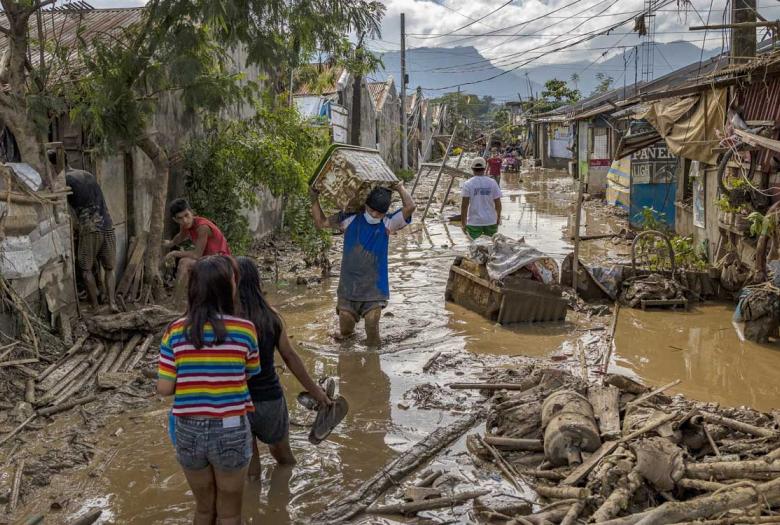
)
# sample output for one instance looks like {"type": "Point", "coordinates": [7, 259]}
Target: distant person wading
{"type": "Point", "coordinates": [480, 208]}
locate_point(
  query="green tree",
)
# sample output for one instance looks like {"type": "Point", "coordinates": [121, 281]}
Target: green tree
{"type": "Point", "coordinates": [575, 79]}
{"type": "Point", "coordinates": [604, 85]}
{"type": "Point", "coordinates": [275, 150]}
{"type": "Point", "coordinates": [180, 48]}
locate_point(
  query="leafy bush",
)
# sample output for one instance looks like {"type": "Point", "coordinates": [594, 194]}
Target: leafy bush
{"type": "Point", "coordinates": [406, 175]}
{"type": "Point", "coordinates": [228, 166]}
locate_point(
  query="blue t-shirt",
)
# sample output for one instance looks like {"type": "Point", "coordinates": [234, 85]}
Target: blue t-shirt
{"type": "Point", "coordinates": [364, 263]}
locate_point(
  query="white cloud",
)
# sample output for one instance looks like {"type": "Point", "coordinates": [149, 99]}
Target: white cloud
{"type": "Point", "coordinates": [540, 37]}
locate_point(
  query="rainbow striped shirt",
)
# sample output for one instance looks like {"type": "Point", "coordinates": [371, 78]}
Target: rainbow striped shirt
{"type": "Point", "coordinates": [211, 381]}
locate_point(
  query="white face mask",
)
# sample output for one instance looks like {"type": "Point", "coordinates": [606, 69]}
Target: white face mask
{"type": "Point", "coordinates": [370, 219]}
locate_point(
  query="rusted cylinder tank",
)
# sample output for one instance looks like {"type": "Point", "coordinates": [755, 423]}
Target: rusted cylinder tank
{"type": "Point", "coordinates": [569, 428]}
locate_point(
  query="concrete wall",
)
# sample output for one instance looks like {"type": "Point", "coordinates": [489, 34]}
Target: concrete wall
{"type": "Point", "coordinates": [127, 179]}
{"type": "Point", "coordinates": [367, 114]}
{"type": "Point", "coordinates": [388, 126]}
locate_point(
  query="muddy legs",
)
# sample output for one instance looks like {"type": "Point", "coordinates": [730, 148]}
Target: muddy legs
{"type": "Point", "coordinates": [372, 326]}
{"type": "Point", "coordinates": [183, 279]}
{"type": "Point", "coordinates": [255, 471]}
{"type": "Point", "coordinates": [205, 491]}
{"type": "Point", "coordinates": [218, 495]}
{"type": "Point", "coordinates": [282, 452]}
{"type": "Point", "coordinates": [230, 493]}
{"type": "Point", "coordinates": [346, 324]}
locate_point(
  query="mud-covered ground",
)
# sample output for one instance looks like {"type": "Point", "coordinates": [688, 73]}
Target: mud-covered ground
{"type": "Point", "coordinates": [115, 455]}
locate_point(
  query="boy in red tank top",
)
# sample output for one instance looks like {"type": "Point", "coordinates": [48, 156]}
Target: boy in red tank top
{"type": "Point", "coordinates": [204, 234]}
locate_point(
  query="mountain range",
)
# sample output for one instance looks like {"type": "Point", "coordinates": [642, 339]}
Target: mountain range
{"type": "Point", "coordinates": [431, 67]}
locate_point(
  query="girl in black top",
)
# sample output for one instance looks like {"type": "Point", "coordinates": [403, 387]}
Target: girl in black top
{"type": "Point", "coordinates": [270, 420]}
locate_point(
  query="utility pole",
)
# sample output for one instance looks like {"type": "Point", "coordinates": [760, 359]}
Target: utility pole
{"type": "Point", "coordinates": [743, 39]}
{"type": "Point", "coordinates": [404, 122]}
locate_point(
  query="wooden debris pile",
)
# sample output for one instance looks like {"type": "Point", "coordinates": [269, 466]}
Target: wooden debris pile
{"type": "Point", "coordinates": [618, 453]}
{"type": "Point", "coordinates": [104, 358]}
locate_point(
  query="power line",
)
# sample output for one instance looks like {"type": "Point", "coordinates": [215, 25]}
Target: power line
{"type": "Point", "coordinates": [604, 31]}
{"type": "Point", "coordinates": [496, 10]}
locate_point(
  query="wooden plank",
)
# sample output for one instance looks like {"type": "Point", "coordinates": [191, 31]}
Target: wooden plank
{"type": "Point", "coordinates": [136, 260]}
{"type": "Point", "coordinates": [581, 471]}
{"type": "Point", "coordinates": [478, 280]}
{"type": "Point", "coordinates": [606, 408]}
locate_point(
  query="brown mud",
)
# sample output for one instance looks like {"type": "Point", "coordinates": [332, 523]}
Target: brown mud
{"type": "Point", "coordinates": [134, 477]}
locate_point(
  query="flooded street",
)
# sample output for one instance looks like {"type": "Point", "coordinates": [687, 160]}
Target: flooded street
{"type": "Point", "coordinates": [145, 485]}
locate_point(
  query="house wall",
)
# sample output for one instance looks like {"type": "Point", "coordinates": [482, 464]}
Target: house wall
{"type": "Point", "coordinates": [549, 160]}
{"type": "Point", "coordinates": [367, 113]}
{"type": "Point", "coordinates": [388, 126]}
{"type": "Point", "coordinates": [127, 180]}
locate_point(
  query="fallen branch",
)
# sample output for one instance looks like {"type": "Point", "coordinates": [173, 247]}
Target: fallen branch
{"type": "Point", "coordinates": [427, 480]}
{"type": "Point", "coordinates": [700, 484]}
{"type": "Point", "coordinates": [88, 519]}
{"type": "Point", "coordinates": [129, 347]}
{"type": "Point", "coordinates": [17, 429]}
{"type": "Point", "coordinates": [429, 362]}
{"type": "Point", "coordinates": [502, 464]}
{"type": "Point", "coordinates": [17, 484]}
{"type": "Point", "coordinates": [652, 393]}
{"type": "Point", "coordinates": [619, 498]}
{"type": "Point", "coordinates": [734, 520]}
{"type": "Point", "coordinates": [562, 492]}
{"type": "Point", "coordinates": [737, 425]}
{"type": "Point", "coordinates": [392, 474]}
{"type": "Point", "coordinates": [140, 353]}
{"type": "Point", "coordinates": [490, 386]}
{"type": "Point", "coordinates": [573, 513]}
{"type": "Point", "coordinates": [66, 406]}
{"type": "Point", "coordinates": [737, 497]}
{"type": "Point", "coordinates": [730, 469]}
{"type": "Point", "coordinates": [427, 504]}
{"type": "Point", "coordinates": [505, 443]}
{"type": "Point", "coordinates": [649, 427]}
{"type": "Point", "coordinates": [19, 362]}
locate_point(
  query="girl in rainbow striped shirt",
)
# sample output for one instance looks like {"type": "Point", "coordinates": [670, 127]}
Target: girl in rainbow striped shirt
{"type": "Point", "coordinates": [205, 360]}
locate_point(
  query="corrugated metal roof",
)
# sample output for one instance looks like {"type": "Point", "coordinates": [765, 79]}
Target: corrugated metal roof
{"type": "Point", "coordinates": [63, 28]}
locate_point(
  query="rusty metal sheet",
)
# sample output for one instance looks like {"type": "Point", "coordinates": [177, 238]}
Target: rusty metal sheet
{"type": "Point", "coordinates": [527, 301]}
{"type": "Point", "coordinates": [532, 302]}
{"type": "Point", "coordinates": [347, 174]}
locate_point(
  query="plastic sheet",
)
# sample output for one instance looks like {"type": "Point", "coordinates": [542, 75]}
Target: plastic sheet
{"type": "Point", "coordinates": [504, 256]}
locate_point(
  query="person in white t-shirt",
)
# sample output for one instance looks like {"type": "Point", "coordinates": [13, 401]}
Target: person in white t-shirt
{"type": "Point", "coordinates": [480, 207]}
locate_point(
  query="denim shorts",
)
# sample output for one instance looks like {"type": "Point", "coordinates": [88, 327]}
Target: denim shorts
{"type": "Point", "coordinates": [201, 442]}
{"type": "Point", "coordinates": [270, 421]}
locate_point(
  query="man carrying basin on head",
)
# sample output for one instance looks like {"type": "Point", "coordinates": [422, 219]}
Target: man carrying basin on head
{"type": "Point", "coordinates": [363, 286]}
{"type": "Point", "coordinates": [480, 206]}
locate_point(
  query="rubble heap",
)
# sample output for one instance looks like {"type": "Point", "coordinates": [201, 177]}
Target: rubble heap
{"type": "Point", "coordinates": [615, 452]}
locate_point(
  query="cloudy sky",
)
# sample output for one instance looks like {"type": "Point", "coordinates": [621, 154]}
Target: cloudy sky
{"type": "Point", "coordinates": [511, 33]}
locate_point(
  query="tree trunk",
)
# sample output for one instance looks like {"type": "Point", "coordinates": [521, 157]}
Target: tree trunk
{"type": "Point", "coordinates": [158, 156]}
{"type": "Point", "coordinates": [356, 103]}
{"type": "Point", "coordinates": [13, 103]}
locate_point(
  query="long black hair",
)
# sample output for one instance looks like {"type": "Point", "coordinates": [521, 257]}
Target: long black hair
{"type": "Point", "coordinates": [254, 307]}
{"type": "Point", "coordinates": [210, 295]}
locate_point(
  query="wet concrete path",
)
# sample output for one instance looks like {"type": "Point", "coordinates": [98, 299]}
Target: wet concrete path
{"type": "Point", "coordinates": [145, 485]}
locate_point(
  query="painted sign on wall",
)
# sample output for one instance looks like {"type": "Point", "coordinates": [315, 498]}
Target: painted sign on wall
{"type": "Point", "coordinates": [653, 165]}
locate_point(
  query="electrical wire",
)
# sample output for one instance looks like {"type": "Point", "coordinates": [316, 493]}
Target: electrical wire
{"type": "Point", "coordinates": [496, 10]}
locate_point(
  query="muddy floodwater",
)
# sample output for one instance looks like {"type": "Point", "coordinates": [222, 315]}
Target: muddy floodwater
{"type": "Point", "coordinates": [145, 485]}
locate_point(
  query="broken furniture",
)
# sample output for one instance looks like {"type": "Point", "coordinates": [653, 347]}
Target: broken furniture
{"type": "Point", "coordinates": [507, 281]}
{"type": "Point", "coordinates": [347, 174]}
